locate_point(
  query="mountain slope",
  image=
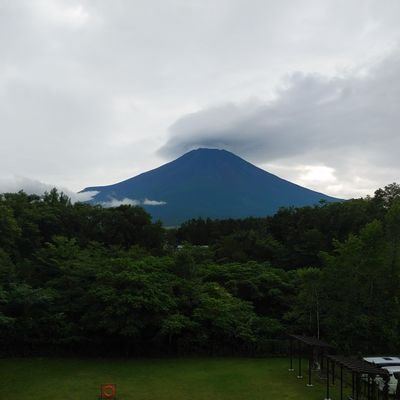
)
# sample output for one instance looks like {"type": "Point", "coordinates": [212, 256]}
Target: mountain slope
{"type": "Point", "coordinates": [209, 183]}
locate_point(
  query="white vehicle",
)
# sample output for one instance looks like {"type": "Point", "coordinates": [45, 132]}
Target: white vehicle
{"type": "Point", "coordinates": [392, 380]}
{"type": "Point", "coordinates": [383, 361]}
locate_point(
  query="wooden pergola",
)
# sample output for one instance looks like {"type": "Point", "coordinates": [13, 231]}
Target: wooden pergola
{"type": "Point", "coordinates": [312, 346]}
{"type": "Point", "coordinates": [361, 372]}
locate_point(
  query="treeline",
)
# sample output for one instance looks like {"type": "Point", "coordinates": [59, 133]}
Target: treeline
{"type": "Point", "coordinates": [77, 278]}
{"type": "Point", "coordinates": [290, 239]}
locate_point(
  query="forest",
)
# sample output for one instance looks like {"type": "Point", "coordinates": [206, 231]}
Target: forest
{"type": "Point", "coordinates": [80, 279]}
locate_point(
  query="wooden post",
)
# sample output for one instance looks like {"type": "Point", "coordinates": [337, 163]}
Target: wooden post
{"type": "Point", "coordinates": [397, 393]}
{"type": "Point", "coordinates": [300, 376]}
{"type": "Point", "coordinates": [327, 380]}
{"type": "Point", "coordinates": [341, 382]}
{"type": "Point", "coordinates": [385, 387]}
{"type": "Point", "coordinates": [299, 372]}
{"type": "Point", "coordinates": [373, 387]}
{"type": "Point", "coordinates": [309, 384]}
{"type": "Point", "coordinates": [291, 369]}
{"type": "Point", "coordinates": [369, 387]}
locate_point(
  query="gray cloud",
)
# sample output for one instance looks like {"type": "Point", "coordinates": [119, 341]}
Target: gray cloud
{"type": "Point", "coordinates": [349, 124]}
{"type": "Point", "coordinates": [88, 88]}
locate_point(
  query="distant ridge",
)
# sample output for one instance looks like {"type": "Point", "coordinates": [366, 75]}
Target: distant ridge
{"type": "Point", "coordinates": [208, 183]}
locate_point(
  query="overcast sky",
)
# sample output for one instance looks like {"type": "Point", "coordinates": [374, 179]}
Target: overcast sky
{"type": "Point", "coordinates": [94, 92]}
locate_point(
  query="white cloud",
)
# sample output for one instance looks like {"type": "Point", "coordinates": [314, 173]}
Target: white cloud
{"type": "Point", "coordinates": [131, 202]}
{"type": "Point", "coordinates": [71, 14]}
{"type": "Point", "coordinates": [148, 202]}
{"type": "Point", "coordinates": [32, 186]}
{"type": "Point", "coordinates": [123, 202]}
{"type": "Point", "coordinates": [318, 174]}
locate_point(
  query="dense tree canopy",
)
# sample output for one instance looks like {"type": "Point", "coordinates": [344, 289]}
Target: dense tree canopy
{"type": "Point", "coordinates": [82, 278]}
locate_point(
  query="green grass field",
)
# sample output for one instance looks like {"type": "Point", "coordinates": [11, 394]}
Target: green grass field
{"type": "Point", "coordinates": [154, 379]}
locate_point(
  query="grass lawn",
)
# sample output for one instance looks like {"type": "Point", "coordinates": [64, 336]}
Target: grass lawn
{"type": "Point", "coordinates": [155, 379]}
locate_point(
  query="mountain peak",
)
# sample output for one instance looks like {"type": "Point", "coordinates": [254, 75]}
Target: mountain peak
{"type": "Point", "coordinates": [206, 151]}
{"type": "Point", "coordinates": [208, 182]}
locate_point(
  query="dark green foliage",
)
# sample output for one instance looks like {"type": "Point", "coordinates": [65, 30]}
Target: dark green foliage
{"type": "Point", "coordinates": [358, 290]}
{"type": "Point", "coordinates": [85, 279]}
{"type": "Point", "coordinates": [292, 238]}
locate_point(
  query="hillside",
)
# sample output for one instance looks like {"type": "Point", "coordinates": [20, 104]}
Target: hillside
{"type": "Point", "coordinates": [208, 183]}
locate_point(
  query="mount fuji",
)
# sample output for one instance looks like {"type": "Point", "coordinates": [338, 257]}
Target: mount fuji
{"type": "Point", "coordinates": [207, 183]}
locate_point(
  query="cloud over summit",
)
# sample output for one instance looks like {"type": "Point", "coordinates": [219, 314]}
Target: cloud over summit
{"type": "Point", "coordinates": [89, 88]}
{"type": "Point", "coordinates": [342, 123]}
